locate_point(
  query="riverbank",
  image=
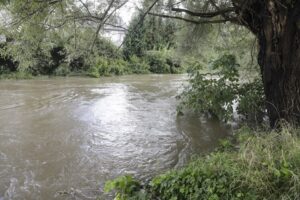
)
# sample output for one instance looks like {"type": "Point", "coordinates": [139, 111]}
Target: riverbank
{"type": "Point", "coordinates": [154, 63]}
{"type": "Point", "coordinates": [251, 165]}
{"type": "Point", "coordinates": [16, 75]}
{"type": "Point", "coordinates": [27, 76]}
{"type": "Point", "coordinates": [93, 73]}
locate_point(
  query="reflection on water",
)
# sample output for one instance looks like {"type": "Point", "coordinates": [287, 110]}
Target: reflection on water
{"type": "Point", "coordinates": [63, 138]}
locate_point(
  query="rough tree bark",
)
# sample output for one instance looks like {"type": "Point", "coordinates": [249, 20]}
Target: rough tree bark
{"type": "Point", "coordinates": [276, 26]}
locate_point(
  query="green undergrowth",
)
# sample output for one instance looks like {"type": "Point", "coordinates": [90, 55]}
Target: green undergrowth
{"type": "Point", "coordinates": [16, 75]}
{"type": "Point", "coordinates": [251, 165]}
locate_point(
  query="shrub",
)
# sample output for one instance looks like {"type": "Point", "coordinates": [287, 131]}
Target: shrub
{"type": "Point", "coordinates": [125, 185]}
{"type": "Point", "coordinates": [157, 62]}
{"type": "Point", "coordinates": [77, 63]}
{"type": "Point", "coordinates": [193, 66]}
{"type": "Point", "coordinates": [103, 66]}
{"type": "Point", "coordinates": [118, 67]}
{"type": "Point", "coordinates": [175, 65]}
{"type": "Point", "coordinates": [212, 93]}
{"type": "Point", "coordinates": [46, 63]}
{"type": "Point", "coordinates": [138, 65]}
{"type": "Point", "coordinates": [93, 72]}
{"type": "Point", "coordinates": [99, 67]}
{"type": "Point", "coordinates": [62, 70]}
{"type": "Point", "coordinates": [7, 64]}
{"type": "Point", "coordinates": [218, 93]}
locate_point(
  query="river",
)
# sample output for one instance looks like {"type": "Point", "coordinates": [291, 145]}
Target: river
{"type": "Point", "coordinates": [62, 138]}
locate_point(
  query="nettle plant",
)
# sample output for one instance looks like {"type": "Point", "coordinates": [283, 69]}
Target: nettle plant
{"type": "Point", "coordinates": [216, 94]}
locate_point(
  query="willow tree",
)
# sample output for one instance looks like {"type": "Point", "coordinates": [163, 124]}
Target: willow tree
{"type": "Point", "coordinates": [150, 33]}
{"type": "Point", "coordinates": [276, 25]}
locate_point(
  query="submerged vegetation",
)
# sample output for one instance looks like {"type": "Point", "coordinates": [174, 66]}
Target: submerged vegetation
{"type": "Point", "coordinates": [251, 165]}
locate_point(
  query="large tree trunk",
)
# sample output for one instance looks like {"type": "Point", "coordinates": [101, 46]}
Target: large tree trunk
{"type": "Point", "coordinates": [276, 26]}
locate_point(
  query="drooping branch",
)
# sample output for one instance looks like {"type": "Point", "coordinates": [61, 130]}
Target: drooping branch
{"type": "Point", "coordinates": [205, 14]}
{"type": "Point", "coordinates": [214, 4]}
{"type": "Point", "coordinates": [102, 23]}
{"type": "Point", "coordinates": [217, 21]}
{"type": "Point", "coordinates": [215, 16]}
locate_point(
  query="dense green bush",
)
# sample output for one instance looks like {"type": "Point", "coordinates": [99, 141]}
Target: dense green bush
{"type": "Point", "coordinates": [103, 66]}
{"type": "Point", "coordinates": [77, 63]}
{"type": "Point", "coordinates": [7, 64]}
{"type": "Point", "coordinates": [213, 93]}
{"type": "Point", "coordinates": [40, 63]}
{"type": "Point", "coordinates": [138, 65]}
{"type": "Point", "coordinates": [118, 67]}
{"type": "Point", "coordinates": [126, 185]}
{"type": "Point", "coordinates": [262, 166]}
{"type": "Point", "coordinates": [58, 56]}
{"type": "Point", "coordinates": [98, 67]}
{"type": "Point", "coordinates": [175, 66]}
{"type": "Point", "coordinates": [104, 60]}
{"type": "Point", "coordinates": [46, 63]}
{"type": "Point", "coordinates": [218, 93]}
{"type": "Point", "coordinates": [193, 66]}
{"type": "Point", "coordinates": [158, 62]}
{"type": "Point", "coordinates": [62, 70]}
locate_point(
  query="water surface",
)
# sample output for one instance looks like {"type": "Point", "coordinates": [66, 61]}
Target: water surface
{"type": "Point", "coordinates": [63, 138]}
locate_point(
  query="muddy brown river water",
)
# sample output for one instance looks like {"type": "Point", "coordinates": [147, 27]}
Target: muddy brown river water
{"type": "Point", "coordinates": [62, 138]}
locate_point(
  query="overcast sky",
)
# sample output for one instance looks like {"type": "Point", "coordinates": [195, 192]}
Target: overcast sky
{"type": "Point", "coordinates": [126, 13]}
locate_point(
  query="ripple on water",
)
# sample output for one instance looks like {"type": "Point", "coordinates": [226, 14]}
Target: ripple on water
{"type": "Point", "coordinates": [63, 138]}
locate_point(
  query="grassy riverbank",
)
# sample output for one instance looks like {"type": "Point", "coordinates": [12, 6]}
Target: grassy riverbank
{"type": "Point", "coordinates": [251, 165]}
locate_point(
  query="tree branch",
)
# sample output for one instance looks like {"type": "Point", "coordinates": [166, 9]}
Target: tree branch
{"type": "Point", "coordinates": [205, 14]}
{"type": "Point", "coordinates": [101, 23]}
{"type": "Point", "coordinates": [218, 21]}
{"type": "Point", "coordinates": [86, 7]}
